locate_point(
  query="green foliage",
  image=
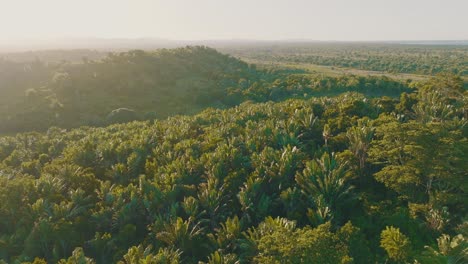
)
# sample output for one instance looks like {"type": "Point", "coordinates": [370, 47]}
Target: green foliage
{"type": "Point", "coordinates": [440, 100]}
{"type": "Point", "coordinates": [396, 244]}
{"type": "Point", "coordinates": [180, 234]}
{"type": "Point", "coordinates": [279, 241]}
{"type": "Point", "coordinates": [140, 255]}
{"type": "Point", "coordinates": [98, 92]}
{"type": "Point", "coordinates": [360, 138]}
{"type": "Point", "coordinates": [219, 258]}
{"type": "Point", "coordinates": [411, 167]}
{"type": "Point", "coordinates": [77, 257]}
{"type": "Point", "coordinates": [258, 182]}
{"type": "Point", "coordinates": [325, 183]}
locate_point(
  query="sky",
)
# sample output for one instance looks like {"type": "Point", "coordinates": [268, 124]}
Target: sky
{"type": "Point", "coordinates": [344, 20]}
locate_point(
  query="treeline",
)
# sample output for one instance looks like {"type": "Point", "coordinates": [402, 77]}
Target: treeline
{"type": "Point", "coordinates": [345, 179]}
{"type": "Point", "coordinates": [140, 85]}
{"type": "Point", "coordinates": [393, 58]}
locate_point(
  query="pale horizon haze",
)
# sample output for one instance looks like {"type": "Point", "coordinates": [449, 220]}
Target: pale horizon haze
{"type": "Point", "coordinates": [341, 20]}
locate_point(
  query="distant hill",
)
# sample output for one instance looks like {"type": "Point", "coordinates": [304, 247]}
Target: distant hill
{"type": "Point", "coordinates": [139, 85]}
{"type": "Point", "coordinates": [39, 95]}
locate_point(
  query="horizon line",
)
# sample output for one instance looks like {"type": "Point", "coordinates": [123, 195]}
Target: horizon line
{"type": "Point", "coordinates": [222, 39]}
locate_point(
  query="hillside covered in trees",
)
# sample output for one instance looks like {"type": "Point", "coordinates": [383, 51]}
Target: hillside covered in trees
{"type": "Point", "coordinates": [345, 178]}
{"type": "Point", "coordinates": [38, 95]}
{"type": "Point", "coordinates": [139, 85]}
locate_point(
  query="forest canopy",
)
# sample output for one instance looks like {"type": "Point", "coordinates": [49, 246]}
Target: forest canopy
{"type": "Point", "coordinates": [192, 156]}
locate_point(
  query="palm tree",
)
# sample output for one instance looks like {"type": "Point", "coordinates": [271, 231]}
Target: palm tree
{"type": "Point", "coordinates": [180, 234]}
{"type": "Point", "coordinates": [360, 138]}
{"type": "Point", "coordinates": [220, 258]}
{"type": "Point", "coordinates": [453, 250]}
{"type": "Point", "coordinates": [228, 235]}
{"type": "Point", "coordinates": [77, 256]}
{"type": "Point", "coordinates": [432, 107]}
{"type": "Point", "coordinates": [324, 180]}
{"type": "Point", "coordinates": [212, 200]}
{"type": "Point", "coordinates": [141, 255]}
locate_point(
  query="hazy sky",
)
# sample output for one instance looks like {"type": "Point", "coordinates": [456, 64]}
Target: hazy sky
{"type": "Point", "coordinates": [235, 19]}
